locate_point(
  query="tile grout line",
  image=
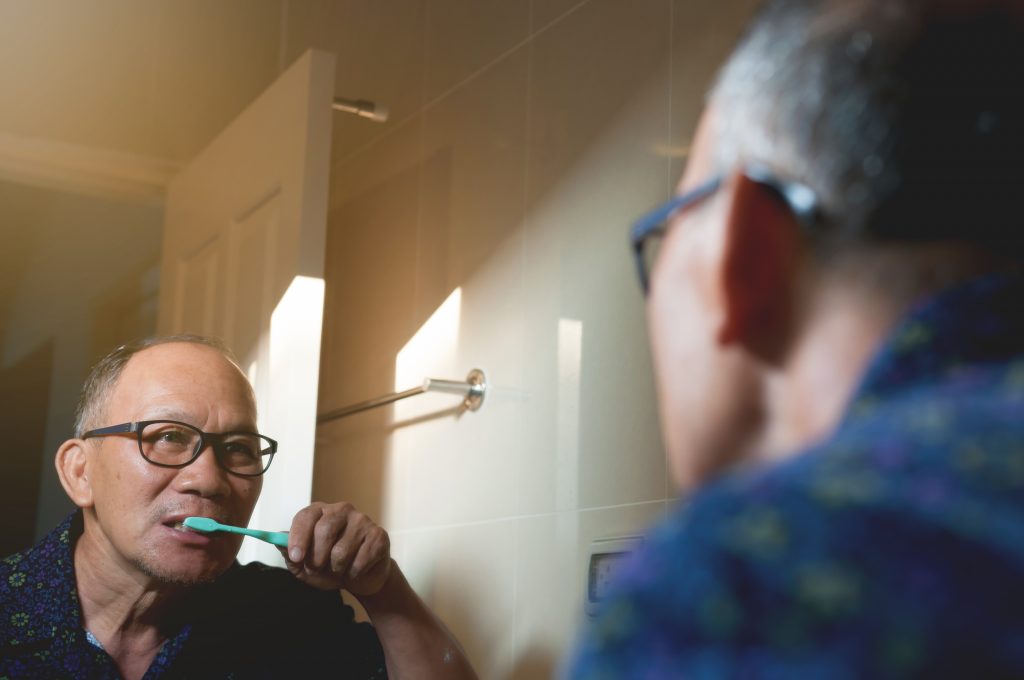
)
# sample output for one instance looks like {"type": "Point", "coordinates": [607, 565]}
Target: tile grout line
{"type": "Point", "coordinates": [560, 17]}
{"type": "Point", "coordinates": [516, 541]}
{"type": "Point", "coordinates": [282, 45]}
{"type": "Point", "coordinates": [516, 518]}
{"type": "Point", "coordinates": [373, 141]}
{"type": "Point", "coordinates": [421, 146]}
{"type": "Point", "coordinates": [668, 169]}
{"type": "Point", "coordinates": [476, 74]}
{"type": "Point", "coordinates": [527, 132]}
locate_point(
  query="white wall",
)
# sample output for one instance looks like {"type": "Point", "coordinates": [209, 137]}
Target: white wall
{"type": "Point", "coordinates": [77, 277]}
{"type": "Point", "coordinates": [485, 226]}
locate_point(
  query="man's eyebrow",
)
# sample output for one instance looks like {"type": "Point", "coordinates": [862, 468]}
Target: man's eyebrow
{"type": "Point", "coordinates": [159, 413]}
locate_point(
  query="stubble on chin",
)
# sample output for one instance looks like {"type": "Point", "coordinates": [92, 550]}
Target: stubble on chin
{"type": "Point", "coordinates": [150, 566]}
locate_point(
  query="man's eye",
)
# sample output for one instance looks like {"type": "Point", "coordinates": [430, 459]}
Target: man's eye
{"type": "Point", "coordinates": [173, 436]}
{"type": "Point", "coordinates": [168, 436]}
{"type": "Point", "coordinates": [240, 449]}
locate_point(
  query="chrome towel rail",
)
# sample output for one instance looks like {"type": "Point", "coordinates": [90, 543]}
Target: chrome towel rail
{"type": "Point", "coordinates": [473, 390]}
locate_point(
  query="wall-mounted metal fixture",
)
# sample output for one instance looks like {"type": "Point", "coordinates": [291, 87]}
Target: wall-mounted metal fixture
{"type": "Point", "coordinates": [473, 390]}
{"type": "Point", "coordinates": [361, 107]}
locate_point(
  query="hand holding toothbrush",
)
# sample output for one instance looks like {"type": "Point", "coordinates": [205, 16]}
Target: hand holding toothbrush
{"type": "Point", "coordinates": [334, 546]}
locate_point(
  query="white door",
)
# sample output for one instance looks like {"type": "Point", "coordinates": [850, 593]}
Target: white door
{"type": "Point", "coordinates": [243, 258]}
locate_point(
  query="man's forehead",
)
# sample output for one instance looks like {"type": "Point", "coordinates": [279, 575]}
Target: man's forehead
{"type": "Point", "coordinates": [181, 369]}
{"type": "Point", "coordinates": [172, 357]}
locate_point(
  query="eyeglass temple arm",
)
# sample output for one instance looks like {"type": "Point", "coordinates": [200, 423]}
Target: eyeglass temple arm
{"type": "Point", "coordinates": [113, 429]}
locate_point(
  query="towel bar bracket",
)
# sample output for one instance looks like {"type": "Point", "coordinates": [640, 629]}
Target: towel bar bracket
{"type": "Point", "coordinates": [473, 388]}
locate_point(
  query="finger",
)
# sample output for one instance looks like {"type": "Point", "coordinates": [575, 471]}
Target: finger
{"type": "Point", "coordinates": [300, 536]}
{"type": "Point", "coordinates": [328, 531]}
{"type": "Point", "coordinates": [342, 556]}
{"type": "Point", "coordinates": [375, 548]}
{"type": "Point", "coordinates": [294, 568]}
{"type": "Point", "coordinates": [357, 532]}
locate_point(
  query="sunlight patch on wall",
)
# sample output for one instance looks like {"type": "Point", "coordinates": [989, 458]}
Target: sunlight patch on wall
{"type": "Point", "coordinates": [431, 352]}
{"type": "Point", "coordinates": [432, 349]}
{"type": "Point", "coordinates": [570, 359]}
{"type": "Point", "coordinates": [293, 376]}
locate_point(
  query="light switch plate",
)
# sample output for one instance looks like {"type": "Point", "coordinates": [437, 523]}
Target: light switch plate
{"type": "Point", "coordinates": [606, 556]}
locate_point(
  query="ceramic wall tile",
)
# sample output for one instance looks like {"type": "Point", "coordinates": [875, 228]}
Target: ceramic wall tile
{"type": "Point", "coordinates": [353, 464]}
{"type": "Point", "coordinates": [545, 12]}
{"type": "Point", "coordinates": [370, 264]}
{"type": "Point", "coordinates": [462, 468]}
{"type": "Point", "coordinates": [461, 465]}
{"type": "Point", "coordinates": [465, 35]}
{"type": "Point", "coordinates": [703, 35]}
{"type": "Point", "coordinates": [551, 576]}
{"type": "Point", "coordinates": [474, 151]}
{"type": "Point", "coordinates": [466, 575]}
{"type": "Point", "coordinates": [598, 117]}
{"type": "Point", "coordinates": [489, 230]}
{"type": "Point", "coordinates": [368, 317]}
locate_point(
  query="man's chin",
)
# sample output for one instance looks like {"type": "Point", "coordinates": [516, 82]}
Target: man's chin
{"type": "Point", "coordinates": [170, 572]}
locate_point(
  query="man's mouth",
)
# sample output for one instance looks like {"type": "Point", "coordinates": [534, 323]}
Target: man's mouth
{"type": "Point", "coordinates": [177, 522]}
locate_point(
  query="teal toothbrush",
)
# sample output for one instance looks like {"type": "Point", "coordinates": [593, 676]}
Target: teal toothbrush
{"type": "Point", "coordinates": [207, 525]}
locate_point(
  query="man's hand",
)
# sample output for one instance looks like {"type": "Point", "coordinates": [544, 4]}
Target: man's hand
{"type": "Point", "coordinates": [334, 546]}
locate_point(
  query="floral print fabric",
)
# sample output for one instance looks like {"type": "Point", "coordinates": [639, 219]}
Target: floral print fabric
{"type": "Point", "coordinates": [253, 622]}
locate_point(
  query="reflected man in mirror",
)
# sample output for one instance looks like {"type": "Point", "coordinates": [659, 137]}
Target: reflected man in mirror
{"type": "Point", "coordinates": [166, 429]}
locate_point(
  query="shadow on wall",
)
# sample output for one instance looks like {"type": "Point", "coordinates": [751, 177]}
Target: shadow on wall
{"type": "Point", "coordinates": [367, 321]}
{"type": "Point", "coordinates": [124, 311]}
{"type": "Point", "coordinates": [25, 396]}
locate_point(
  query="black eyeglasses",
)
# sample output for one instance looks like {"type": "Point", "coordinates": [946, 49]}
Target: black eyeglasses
{"type": "Point", "coordinates": [647, 232]}
{"type": "Point", "coordinates": [173, 444]}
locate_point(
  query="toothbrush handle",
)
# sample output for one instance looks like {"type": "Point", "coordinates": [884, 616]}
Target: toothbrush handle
{"type": "Point", "coordinates": [279, 538]}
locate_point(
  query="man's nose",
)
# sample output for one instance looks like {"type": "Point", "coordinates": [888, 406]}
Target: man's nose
{"type": "Point", "coordinates": [204, 475]}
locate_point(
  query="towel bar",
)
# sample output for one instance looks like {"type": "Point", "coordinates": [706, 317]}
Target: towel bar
{"type": "Point", "coordinates": [473, 388]}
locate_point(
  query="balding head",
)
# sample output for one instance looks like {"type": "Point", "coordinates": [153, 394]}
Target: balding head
{"type": "Point", "coordinates": [106, 372]}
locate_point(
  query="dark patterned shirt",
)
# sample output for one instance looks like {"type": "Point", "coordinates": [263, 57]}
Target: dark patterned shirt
{"type": "Point", "coordinates": [255, 621]}
{"type": "Point", "coordinates": [894, 549]}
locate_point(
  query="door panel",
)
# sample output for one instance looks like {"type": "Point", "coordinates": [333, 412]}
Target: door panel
{"type": "Point", "coordinates": [195, 306]}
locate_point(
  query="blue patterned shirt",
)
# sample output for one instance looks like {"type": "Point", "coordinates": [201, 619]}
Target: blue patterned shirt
{"type": "Point", "coordinates": [255, 621]}
{"type": "Point", "coordinates": [894, 549]}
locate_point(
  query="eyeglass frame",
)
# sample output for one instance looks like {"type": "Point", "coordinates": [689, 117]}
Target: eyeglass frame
{"type": "Point", "coordinates": [799, 198]}
{"type": "Point", "coordinates": [214, 437]}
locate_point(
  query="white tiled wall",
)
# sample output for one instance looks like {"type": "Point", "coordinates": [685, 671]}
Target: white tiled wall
{"type": "Point", "coordinates": [485, 226]}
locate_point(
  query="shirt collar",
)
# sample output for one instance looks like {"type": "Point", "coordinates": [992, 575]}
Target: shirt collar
{"type": "Point", "coordinates": [964, 327]}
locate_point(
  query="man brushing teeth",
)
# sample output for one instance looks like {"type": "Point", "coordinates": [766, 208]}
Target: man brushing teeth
{"type": "Point", "coordinates": [166, 429]}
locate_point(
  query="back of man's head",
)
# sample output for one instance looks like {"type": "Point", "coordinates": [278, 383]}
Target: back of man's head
{"type": "Point", "coordinates": [906, 117]}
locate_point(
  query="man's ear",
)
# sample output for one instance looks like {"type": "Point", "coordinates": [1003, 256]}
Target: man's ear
{"type": "Point", "coordinates": [758, 267]}
{"type": "Point", "coordinates": [73, 472]}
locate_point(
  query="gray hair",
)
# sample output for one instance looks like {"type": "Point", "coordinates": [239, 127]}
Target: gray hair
{"type": "Point", "coordinates": [904, 116]}
{"type": "Point", "coordinates": [106, 372]}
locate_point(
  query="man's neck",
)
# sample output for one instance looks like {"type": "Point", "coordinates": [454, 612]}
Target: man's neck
{"type": "Point", "coordinates": [809, 396]}
{"type": "Point", "coordinates": [122, 608]}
